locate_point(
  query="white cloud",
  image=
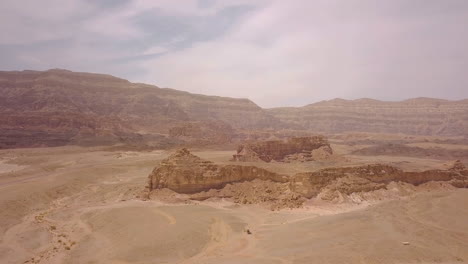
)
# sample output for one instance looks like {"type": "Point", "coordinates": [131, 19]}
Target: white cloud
{"type": "Point", "coordinates": [155, 50]}
{"type": "Point", "coordinates": [29, 21]}
{"type": "Point", "coordinates": [269, 57]}
{"type": "Point", "coordinates": [279, 53]}
{"type": "Point", "coordinates": [313, 50]}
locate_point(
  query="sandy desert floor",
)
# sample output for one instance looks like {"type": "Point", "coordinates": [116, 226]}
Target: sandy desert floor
{"type": "Point", "coordinates": [79, 205]}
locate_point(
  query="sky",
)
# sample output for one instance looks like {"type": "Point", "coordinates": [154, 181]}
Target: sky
{"type": "Point", "coordinates": [274, 52]}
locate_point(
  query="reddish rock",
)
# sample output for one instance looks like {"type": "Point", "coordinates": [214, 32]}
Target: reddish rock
{"type": "Point", "coordinates": [60, 107]}
{"type": "Point", "coordinates": [297, 148]}
{"type": "Point", "coordinates": [203, 133]}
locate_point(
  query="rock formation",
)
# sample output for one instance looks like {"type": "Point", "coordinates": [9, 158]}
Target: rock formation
{"type": "Point", "coordinates": [198, 179]}
{"type": "Point", "coordinates": [184, 172]}
{"type": "Point", "coordinates": [292, 149]}
{"type": "Point", "coordinates": [273, 195]}
{"type": "Point", "coordinates": [458, 166]}
{"type": "Point", "coordinates": [367, 178]}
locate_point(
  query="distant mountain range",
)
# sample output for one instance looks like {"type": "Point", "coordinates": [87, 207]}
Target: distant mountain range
{"type": "Point", "coordinates": [418, 116]}
{"type": "Point", "coordinates": [60, 107]}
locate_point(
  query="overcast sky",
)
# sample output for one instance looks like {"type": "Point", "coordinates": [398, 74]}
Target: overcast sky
{"type": "Point", "coordinates": [276, 53]}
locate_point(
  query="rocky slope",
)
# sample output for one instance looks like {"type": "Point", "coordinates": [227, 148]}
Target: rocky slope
{"type": "Point", "coordinates": [59, 107]}
{"type": "Point", "coordinates": [420, 116]}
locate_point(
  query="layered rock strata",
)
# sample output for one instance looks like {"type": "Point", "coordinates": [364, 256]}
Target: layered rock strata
{"type": "Point", "coordinates": [198, 179]}
{"type": "Point", "coordinates": [372, 177]}
{"type": "Point", "coordinates": [60, 107]}
{"type": "Point", "coordinates": [296, 148]}
{"type": "Point", "coordinates": [417, 116]}
{"type": "Point", "coordinates": [184, 172]}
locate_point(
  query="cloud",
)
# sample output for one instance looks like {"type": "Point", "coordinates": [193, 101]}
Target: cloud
{"type": "Point", "coordinates": [274, 52]}
{"type": "Point", "coordinates": [155, 50]}
{"type": "Point", "coordinates": [285, 54]}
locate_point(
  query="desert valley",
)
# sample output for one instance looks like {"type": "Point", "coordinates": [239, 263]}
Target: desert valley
{"type": "Point", "coordinates": [96, 169]}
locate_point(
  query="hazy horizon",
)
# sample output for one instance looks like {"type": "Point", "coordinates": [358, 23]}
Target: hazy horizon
{"type": "Point", "coordinates": [274, 53]}
{"type": "Point", "coordinates": [279, 106]}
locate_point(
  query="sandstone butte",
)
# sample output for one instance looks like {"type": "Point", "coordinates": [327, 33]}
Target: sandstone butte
{"type": "Point", "coordinates": [296, 148]}
{"type": "Point", "coordinates": [185, 173]}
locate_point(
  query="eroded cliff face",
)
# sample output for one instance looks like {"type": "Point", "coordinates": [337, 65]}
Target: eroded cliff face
{"type": "Point", "coordinates": [59, 107]}
{"type": "Point", "coordinates": [292, 149]}
{"type": "Point", "coordinates": [331, 182]}
{"type": "Point", "coordinates": [186, 173]}
{"type": "Point", "coordinates": [420, 116]}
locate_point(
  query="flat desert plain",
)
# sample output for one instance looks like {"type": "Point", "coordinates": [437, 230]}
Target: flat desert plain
{"type": "Point", "coordinates": [83, 205]}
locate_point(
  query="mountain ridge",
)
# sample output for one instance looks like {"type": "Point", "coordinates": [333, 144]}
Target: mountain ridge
{"type": "Point", "coordinates": [58, 107]}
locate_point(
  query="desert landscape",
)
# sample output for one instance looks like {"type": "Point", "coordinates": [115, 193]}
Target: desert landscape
{"type": "Point", "coordinates": [95, 169]}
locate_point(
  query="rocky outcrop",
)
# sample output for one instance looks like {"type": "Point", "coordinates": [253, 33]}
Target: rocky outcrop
{"type": "Point", "coordinates": [297, 148]}
{"type": "Point", "coordinates": [273, 195]}
{"type": "Point", "coordinates": [198, 179]}
{"type": "Point", "coordinates": [369, 178]}
{"type": "Point", "coordinates": [323, 153]}
{"type": "Point", "coordinates": [186, 173]}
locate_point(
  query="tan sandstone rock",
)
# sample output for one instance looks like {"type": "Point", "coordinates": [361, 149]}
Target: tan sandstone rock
{"type": "Point", "coordinates": [184, 172]}
{"type": "Point", "coordinates": [347, 180]}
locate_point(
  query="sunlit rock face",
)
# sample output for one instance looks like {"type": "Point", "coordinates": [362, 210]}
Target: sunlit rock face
{"type": "Point", "coordinates": [367, 178]}
{"type": "Point", "coordinates": [184, 172]}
